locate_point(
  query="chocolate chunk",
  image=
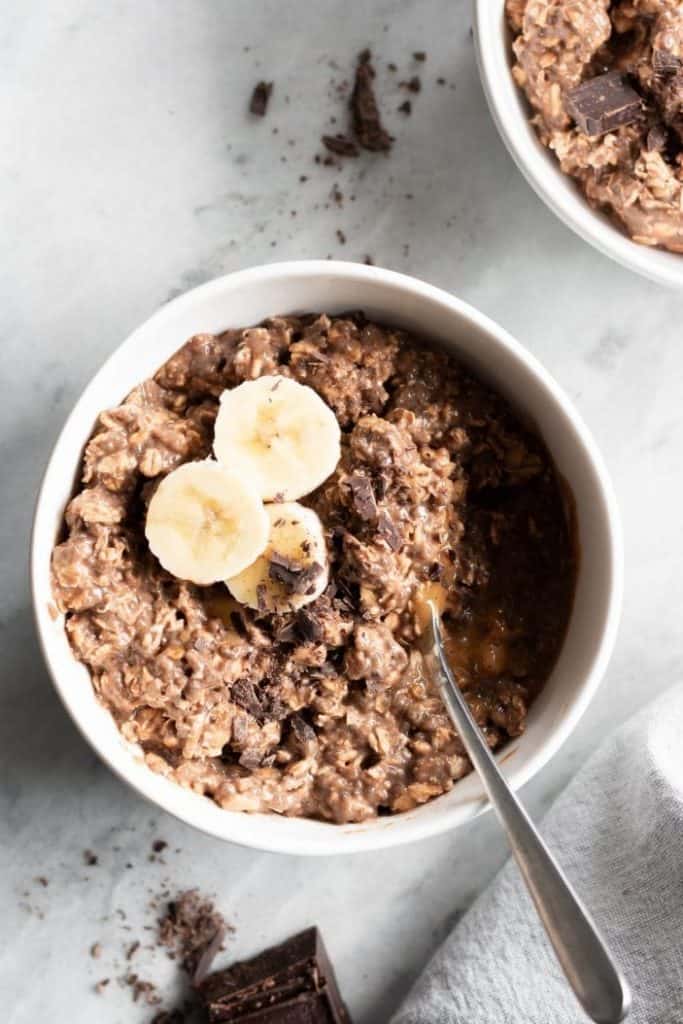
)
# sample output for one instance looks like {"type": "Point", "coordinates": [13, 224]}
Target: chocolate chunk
{"type": "Point", "coordinates": [309, 626]}
{"type": "Point", "coordinates": [665, 63]}
{"type": "Point", "coordinates": [290, 983]}
{"type": "Point", "coordinates": [387, 530]}
{"type": "Point", "coordinates": [293, 577]}
{"type": "Point", "coordinates": [363, 497]}
{"type": "Point", "coordinates": [367, 122]}
{"type": "Point", "coordinates": [243, 692]}
{"type": "Point", "coordinates": [341, 145]}
{"type": "Point", "coordinates": [603, 103]}
{"type": "Point", "coordinates": [258, 104]}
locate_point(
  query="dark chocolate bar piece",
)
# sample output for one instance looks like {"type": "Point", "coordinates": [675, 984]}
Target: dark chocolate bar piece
{"type": "Point", "coordinates": [292, 983]}
{"type": "Point", "coordinates": [294, 577]}
{"type": "Point", "coordinates": [604, 103]}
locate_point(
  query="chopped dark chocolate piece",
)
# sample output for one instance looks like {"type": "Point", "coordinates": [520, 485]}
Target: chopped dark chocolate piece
{"type": "Point", "coordinates": [258, 104]}
{"type": "Point", "coordinates": [387, 530]}
{"type": "Point", "coordinates": [295, 578]}
{"type": "Point", "coordinates": [363, 497]}
{"type": "Point", "coordinates": [665, 63]}
{"type": "Point", "coordinates": [341, 145]}
{"type": "Point", "coordinates": [367, 122]}
{"type": "Point", "coordinates": [290, 983]}
{"type": "Point", "coordinates": [604, 103]}
{"type": "Point", "coordinates": [309, 626]}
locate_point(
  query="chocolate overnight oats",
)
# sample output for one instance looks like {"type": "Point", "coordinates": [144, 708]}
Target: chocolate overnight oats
{"type": "Point", "coordinates": [605, 81]}
{"type": "Point", "coordinates": [298, 687]}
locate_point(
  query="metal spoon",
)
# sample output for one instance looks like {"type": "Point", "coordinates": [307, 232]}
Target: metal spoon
{"type": "Point", "coordinates": [583, 955]}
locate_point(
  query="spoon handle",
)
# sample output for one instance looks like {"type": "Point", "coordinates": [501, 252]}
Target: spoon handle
{"type": "Point", "coordinates": [585, 959]}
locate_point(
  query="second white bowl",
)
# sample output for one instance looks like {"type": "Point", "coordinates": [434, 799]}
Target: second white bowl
{"type": "Point", "coordinates": [539, 166]}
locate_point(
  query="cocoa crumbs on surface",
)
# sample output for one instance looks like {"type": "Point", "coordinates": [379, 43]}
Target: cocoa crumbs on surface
{"type": "Point", "coordinates": [159, 845]}
{"type": "Point", "coordinates": [412, 85]}
{"type": "Point", "coordinates": [190, 925]}
{"type": "Point", "coordinates": [341, 236]}
{"type": "Point", "coordinates": [406, 107]}
{"type": "Point", "coordinates": [90, 858]}
{"type": "Point", "coordinates": [340, 145]}
{"type": "Point", "coordinates": [101, 985]}
{"type": "Point", "coordinates": [142, 990]}
{"type": "Point", "coordinates": [420, 56]}
{"type": "Point", "coordinates": [367, 122]}
{"type": "Point", "coordinates": [96, 950]}
{"type": "Point", "coordinates": [260, 97]}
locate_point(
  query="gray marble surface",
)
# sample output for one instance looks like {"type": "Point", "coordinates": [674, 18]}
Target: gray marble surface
{"type": "Point", "coordinates": [130, 172]}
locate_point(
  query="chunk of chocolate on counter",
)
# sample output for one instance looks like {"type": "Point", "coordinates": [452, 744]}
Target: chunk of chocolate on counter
{"type": "Point", "coordinates": [258, 104]}
{"type": "Point", "coordinates": [363, 497]}
{"type": "Point", "coordinates": [292, 983]}
{"type": "Point", "coordinates": [665, 63]}
{"type": "Point", "coordinates": [367, 122]}
{"type": "Point", "coordinates": [340, 145]}
{"type": "Point", "coordinates": [604, 103]}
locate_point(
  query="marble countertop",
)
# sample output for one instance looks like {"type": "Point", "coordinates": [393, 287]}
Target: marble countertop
{"type": "Point", "coordinates": [130, 172]}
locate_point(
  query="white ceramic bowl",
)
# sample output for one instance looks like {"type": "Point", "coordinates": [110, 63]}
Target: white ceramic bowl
{"type": "Point", "coordinates": [539, 166]}
{"type": "Point", "coordinates": [245, 298]}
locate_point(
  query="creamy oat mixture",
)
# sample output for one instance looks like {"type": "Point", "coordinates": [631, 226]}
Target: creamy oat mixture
{"type": "Point", "coordinates": [633, 172]}
{"type": "Point", "coordinates": [324, 712]}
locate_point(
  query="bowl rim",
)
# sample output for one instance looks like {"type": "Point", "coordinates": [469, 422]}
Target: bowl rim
{"type": "Point", "coordinates": [364, 836]}
{"type": "Point", "coordinates": [539, 166]}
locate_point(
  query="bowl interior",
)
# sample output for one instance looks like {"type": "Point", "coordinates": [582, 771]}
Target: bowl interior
{"type": "Point", "coordinates": [511, 113]}
{"type": "Point", "coordinates": [245, 298]}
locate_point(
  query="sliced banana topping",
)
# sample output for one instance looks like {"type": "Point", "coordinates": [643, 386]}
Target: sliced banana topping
{"type": "Point", "coordinates": [293, 569]}
{"type": "Point", "coordinates": [206, 522]}
{"type": "Point", "coordinates": [280, 434]}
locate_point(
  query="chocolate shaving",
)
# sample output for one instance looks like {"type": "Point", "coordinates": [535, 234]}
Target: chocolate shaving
{"type": "Point", "coordinates": [387, 530]}
{"type": "Point", "coordinates": [341, 145]}
{"type": "Point", "coordinates": [367, 122]}
{"type": "Point", "coordinates": [604, 103]}
{"type": "Point", "coordinates": [293, 577]}
{"type": "Point", "coordinates": [412, 85]}
{"type": "Point", "coordinates": [309, 626]}
{"type": "Point", "coordinates": [363, 497]}
{"type": "Point", "coordinates": [258, 104]}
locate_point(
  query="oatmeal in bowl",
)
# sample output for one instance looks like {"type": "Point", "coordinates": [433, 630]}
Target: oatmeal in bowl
{"type": "Point", "coordinates": [254, 526]}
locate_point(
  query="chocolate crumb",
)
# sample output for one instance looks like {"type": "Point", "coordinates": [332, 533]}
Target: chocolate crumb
{"type": "Point", "coordinates": [132, 950]}
{"type": "Point", "coordinates": [391, 66]}
{"type": "Point", "coordinates": [42, 880]}
{"type": "Point", "coordinates": [367, 122]}
{"type": "Point", "coordinates": [90, 858]}
{"type": "Point", "coordinates": [142, 989]}
{"type": "Point", "coordinates": [96, 950]}
{"type": "Point", "coordinates": [158, 845]}
{"type": "Point", "coordinates": [303, 178]}
{"type": "Point", "coordinates": [101, 985]}
{"type": "Point", "coordinates": [368, 261]}
{"type": "Point", "coordinates": [406, 107]}
{"type": "Point", "coordinates": [341, 236]}
{"type": "Point", "coordinates": [258, 104]}
{"type": "Point", "coordinates": [412, 85]}
{"type": "Point", "coordinates": [441, 81]}
{"type": "Point", "coordinates": [341, 145]}
{"type": "Point", "coordinates": [189, 927]}
{"type": "Point", "coordinates": [420, 56]}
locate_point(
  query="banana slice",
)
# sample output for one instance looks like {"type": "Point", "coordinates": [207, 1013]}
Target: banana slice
{"type": "Point", "coordinates": [279, 433]}
{"type": "Point", "coordinates": [293, 569]}
{"type": "Point", "coordinates": [205, 523]}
